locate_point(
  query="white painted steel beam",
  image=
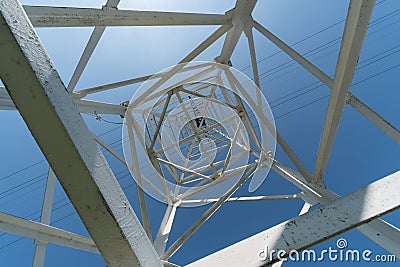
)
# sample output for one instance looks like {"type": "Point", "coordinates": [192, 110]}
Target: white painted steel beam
{"type": "Point", "coordinates": [374, 117]}
{"type": "Point", "coordinates": [110, 150]}
{"type": "Point", "coordinates": [89, 49]}
{"type": "Point", "coordinates": [293, 157]}
{"type": "Point", "coordinates": [110, 86]}
{"type": "Point", "coordinates": [240, 18]}
{"type": "Point", "coordinates": [240, 199]}
{"type": "Point", "coordinates": [169, 264]}
{"type": "Point", "coordinates": [40, 246]}
{"type": "Point", "coordinates": [286, 148]}
{"type": "Point", "coordinates": [181, 67]}
{"type": "Point", "coordinates": [95, 107]}
{"type": "Point", "coordinates": [84, 59]}
{"type": "Point", "coordinates": [312, 193]}
{"type": "Point", "coordinates": [330, 220]}
{"type": "Point", "coordinates": [306, 207]}
{"type": "Point", "coordinates": [164, 230]}
{"type": "Point", "coordinates": [181, 240]}
{"type": "Point", "coordinates": [84, 106]}
{"type": "Point", "coordinates": [250, 40]}
{"type": "Point", "coordinates": [106, 87]}
{"type": "Point", "coordinates": [319, 74]}
{"type": "Point", "coordinates": [206, 43]}
{"type": "Point", "coordinates": [358, 17]}
{"type": "Point", "coordinates": [379, 231]}
{"type": "Point", "coordinates": [48, 16]}
{"type": "Point", "coordinates": [384, 234]}
{"type": "Point", "coordinates": [5, 100]}
{"type": "Point", "coordinates": [357, 104]}
{"type": "Point", "coordinates": [139, 189]}
{"type": "Point", "coordinates": [49, 112]}
{"type": "Point", "coordinates": [45, 233]}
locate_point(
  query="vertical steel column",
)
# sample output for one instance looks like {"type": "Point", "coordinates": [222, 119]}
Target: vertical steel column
{"type": "Point", "coordinates": [40, 246]}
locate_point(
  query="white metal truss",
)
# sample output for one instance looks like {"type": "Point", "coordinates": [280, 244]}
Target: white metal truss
{"type": "Point", "coordinates": [44, 233]}
{"type": "Point", "coordinates": [91, 185]}
{"type": "Point", "coordinates": [357, 104]}
{"type": "Point", "coordinates": [313, 227]}
{"type": "Point", "coordinates": [31, 81]}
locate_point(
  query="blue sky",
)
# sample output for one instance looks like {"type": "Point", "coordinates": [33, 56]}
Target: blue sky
{"type": "Point", "coordinates": [361, 152]}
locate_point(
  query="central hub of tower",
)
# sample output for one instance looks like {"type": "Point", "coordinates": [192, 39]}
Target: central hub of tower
{"type": "Point", "coordinates": [197, 131]}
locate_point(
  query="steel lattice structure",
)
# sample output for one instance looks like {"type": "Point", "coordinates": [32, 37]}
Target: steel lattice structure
{"type": "Point", "coordinates": [31, 81]}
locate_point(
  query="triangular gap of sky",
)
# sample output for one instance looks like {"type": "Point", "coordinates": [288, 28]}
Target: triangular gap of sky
{"type": "Point", "coordinates": [361, 152]}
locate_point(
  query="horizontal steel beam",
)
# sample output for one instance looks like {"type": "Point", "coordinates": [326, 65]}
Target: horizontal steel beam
{"type": "Point", "coordinates": [239, 199]}
{"type": "Point", "coordinates": [95, 107]}
{"type": "Point", "coordinates": [50, 114]}
{"type": "Point", "coordinates": [48, 16]}
{"type": "Point", "coordinates": [330, 220]}
{"type": "Point", "coordinates": [84, 106]}
{"type": "Point", "coordinates": [45, 233]}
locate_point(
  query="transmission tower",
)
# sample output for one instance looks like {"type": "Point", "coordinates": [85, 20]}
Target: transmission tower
{"type": "Point", "coordinates": [193, 134]}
